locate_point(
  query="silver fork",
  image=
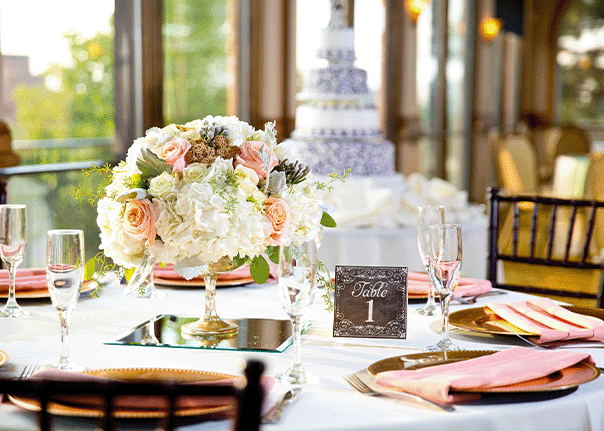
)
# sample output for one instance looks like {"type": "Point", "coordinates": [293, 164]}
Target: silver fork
{"type": "Point", "coordinates": [27, 371]}
{"type": "Point", "coordinates": [473, 299]}
{"type": "Point", "coordinates": [354, 381]}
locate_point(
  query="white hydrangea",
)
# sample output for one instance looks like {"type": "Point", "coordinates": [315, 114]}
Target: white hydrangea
{"type": "Point", "coordinates": [203, 213]}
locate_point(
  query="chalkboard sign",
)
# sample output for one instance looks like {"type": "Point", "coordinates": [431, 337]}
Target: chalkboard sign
{"type": "Point", "coordinates": [371, 302]}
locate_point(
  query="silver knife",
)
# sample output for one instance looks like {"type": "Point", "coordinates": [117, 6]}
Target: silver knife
{"type": "Point", "coordinates": [274, 414]}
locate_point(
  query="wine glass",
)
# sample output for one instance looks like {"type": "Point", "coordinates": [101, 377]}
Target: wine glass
{"type": "Point", "coordinates": [444, 269]}
{"type": "Point", "coordinates": [297, 284]}
{"type": "Point", "coordinates": [428, 216]}
{"type": "Point", "coordinates": [65, 274]}
{"type": "Point", "coordinates": [13, 237]}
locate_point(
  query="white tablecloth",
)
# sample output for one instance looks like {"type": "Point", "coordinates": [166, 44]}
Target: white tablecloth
{"type": "Point", "coordinates": [398, 247]}
{"type": "Point", "coordinates": [332, 405]}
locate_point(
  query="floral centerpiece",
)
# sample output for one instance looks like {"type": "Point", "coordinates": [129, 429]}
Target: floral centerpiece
{"type": "Point", "coordinates": [208, 196]}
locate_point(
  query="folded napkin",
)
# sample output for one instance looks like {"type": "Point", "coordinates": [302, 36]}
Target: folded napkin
{"type": "Point", "coordinates": [543, 317]}
{"type": "Point", "coordinates": [441, 383]}
{"type": "Point", "coordinates": [418, 284]}
{"type": "Point", "coordinates": [26, 280]}
{"type": "Point", "coordinates": [168, 273]}
{"type": "Point", "coordinates": [137, 402]}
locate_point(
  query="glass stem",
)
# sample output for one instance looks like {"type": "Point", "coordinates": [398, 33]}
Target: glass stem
{"type": "Point", "coordinates": [297, 327]}
{"type": "Point", "coordinates": [210, 297]}
{"type": "Point", "coordinates": [12, 271]}
{"type": "Point", "coordinates": [64, 319]}
{"type": "Point", "coordinates": [444, 307]}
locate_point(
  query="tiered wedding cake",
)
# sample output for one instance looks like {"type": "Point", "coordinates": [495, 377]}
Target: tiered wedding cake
{"type": "Point", "coordinates": [338, 128]}
{"type": "Point", "coordinates": [337, 123]}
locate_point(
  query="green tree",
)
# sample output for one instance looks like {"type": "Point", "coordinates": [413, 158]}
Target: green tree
{"type": "Point", "coordinates": [41, 113]}
{"type": "Point", "coordinates": [195, 59]}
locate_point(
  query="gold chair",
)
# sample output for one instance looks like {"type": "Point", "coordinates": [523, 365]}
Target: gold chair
{"type": "Point", "coordinates": [518, 164]}
{"type": "Point", "coordinates": [544, 255]}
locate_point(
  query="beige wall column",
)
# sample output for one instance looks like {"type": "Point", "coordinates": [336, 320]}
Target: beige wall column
{"type": "Point", "coordinates": [399, 100]}
{"type": "Point", "coordinates": [266, 90]}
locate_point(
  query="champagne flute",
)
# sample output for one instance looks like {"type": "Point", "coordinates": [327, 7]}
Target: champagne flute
{"type": "Point", "coordinates": [428, 216]}
{"type": "Point", "coordinates": [444, 269]}
{"type": "Point", "coordinates": [65, 274]}
{"type": "Point", "coordinates": [13, 237]}
{"type": "Point", "coordinates": [297, 284]}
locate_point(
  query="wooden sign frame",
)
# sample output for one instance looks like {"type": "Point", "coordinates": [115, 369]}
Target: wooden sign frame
{"type": "Point", "coordinates": [370, 302]}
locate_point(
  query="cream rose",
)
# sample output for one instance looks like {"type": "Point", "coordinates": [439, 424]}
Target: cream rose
{"type": "Point", "coordinates": [279, 214]}
{"type": "Point", "coordinates": [194, 173]}
{"type": "Point", "coordinates": [162, 186]}
{"type": "Point", "coordinates": [173, 152]}
{"type": "Point", "coordinates": [139, 220]}
{"type": "Point", "coordinates": [247, 179]}
{"type": "Point", "coordinates": [250, 157]}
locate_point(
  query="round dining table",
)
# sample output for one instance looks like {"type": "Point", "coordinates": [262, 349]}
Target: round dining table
{"type": "Point", "coordinates": [329, 406]}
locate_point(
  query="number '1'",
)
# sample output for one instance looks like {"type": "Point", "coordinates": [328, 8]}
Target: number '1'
{"type": "Point", "coordinates": [370, 311]}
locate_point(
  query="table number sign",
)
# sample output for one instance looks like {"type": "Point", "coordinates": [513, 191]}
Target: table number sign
{"type": "Point", "coordinates": [371, 302]}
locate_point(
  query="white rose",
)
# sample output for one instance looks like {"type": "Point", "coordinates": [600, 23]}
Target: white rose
{"type": "Point", "coordinates": [163, 186]}
{"type": "Point", "coordinates": [247, 179]}
{"type": "Point", "coordinates": [194, 173]}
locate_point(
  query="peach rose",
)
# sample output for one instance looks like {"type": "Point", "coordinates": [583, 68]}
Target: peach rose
{"type": "Point", "coordinates": [250, 157]}
{"type": "Point", "coordinates": [279, 213]}
{"type": "Point", "coordinates": [139, 220]}
{"type": "Point", "coordinates": [173, 152]}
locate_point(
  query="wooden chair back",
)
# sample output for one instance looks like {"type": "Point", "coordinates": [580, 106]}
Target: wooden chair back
{"type": "Point", "coordinates": [248, 398]}
{"type": "Point", "coordinates": [529, 239]}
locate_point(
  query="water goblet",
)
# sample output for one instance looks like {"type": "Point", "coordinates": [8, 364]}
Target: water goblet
{"type": "Point", "coordinates": [13, 237]}
{"type": "Point", "coordinates": [444, 269]}
{"type": "Point", "coordinates": [65, 274]}
{"type": "Point", "coordinates": [297, 284]}
{"type": "Point", "coordinates": [428, 216]}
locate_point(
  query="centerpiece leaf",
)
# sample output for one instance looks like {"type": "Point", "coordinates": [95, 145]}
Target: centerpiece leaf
{"type": "Point", "coordinates": [259, 269]}
{"type": "Point", "coordinates": [150, 165]}
{"type": "Point", "coordinates": [327, 220]}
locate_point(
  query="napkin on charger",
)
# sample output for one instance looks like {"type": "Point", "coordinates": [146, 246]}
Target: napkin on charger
{"type": "Point", "coordinates": [26, 280]}
{"type": "Point", "coordinates": [418, 284]}
{"type": "Point", "coordinates": [140, 402]}
{"type": "Point", "coordinates": [446, 383]}
{"type": "Point", "coordinates": [551, 322]}
{"type": "Point", "coordinates": [243, 272]}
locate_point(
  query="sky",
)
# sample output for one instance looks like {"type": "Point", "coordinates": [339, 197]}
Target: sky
{"type": "Point", "coordinates": [35, 27]}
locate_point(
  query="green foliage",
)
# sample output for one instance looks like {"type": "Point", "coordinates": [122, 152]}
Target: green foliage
{"type": "Point", "coordinates": [324, 279]}
{"type": "Point", "coordinates": [259, 269]}
{"type": "Point", "coordinates": [333, 177]}
{"type": "Point", "coordinates": [150, 165]}
{"type": "Point", "coordinates": [84, 191]}
{"type": "Point", "coordinates": [327, 220]}
{"type": "Point", "coordinates": [272, 251]}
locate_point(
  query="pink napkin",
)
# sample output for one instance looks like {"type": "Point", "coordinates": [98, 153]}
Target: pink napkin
{"type": "Point", "coordinates": [26, 280]}
{"type": "Point", "coordinates": [139, 402]}
{"type": "Point", "coordinates": [418, 283]}
{"type": "Point", "coordinates": [168, 273]}
{"type": "Point", "coordinates": [543, 317]}
{"type": "Point", "coordinates": [514, 365]}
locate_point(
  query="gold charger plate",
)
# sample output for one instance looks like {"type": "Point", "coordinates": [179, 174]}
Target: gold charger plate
{"type": "Point", "coordinates": [200, 283]}
{"type": "Point", "coordinates": [90, 407]}
{"type": "Point", "coordinates": [567, 378]}
{"type": "Point", "coordinates": [481, 319]}
{"type": "Point", "coordinates": [3, 357]}
{"type": "Point", "coordinates": [40, 293]}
